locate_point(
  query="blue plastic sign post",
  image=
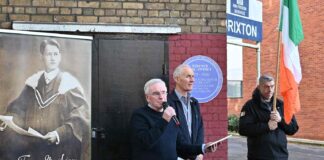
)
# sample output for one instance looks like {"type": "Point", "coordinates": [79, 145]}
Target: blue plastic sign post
{"type": "Point", "coordinates": [208, 78]}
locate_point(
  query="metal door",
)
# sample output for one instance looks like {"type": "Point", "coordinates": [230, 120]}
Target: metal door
{"type": "Point", "coordinates": [121, 66]}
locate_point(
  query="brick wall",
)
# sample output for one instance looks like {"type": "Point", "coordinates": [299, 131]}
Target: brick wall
{"type": "Point", "coordinates": [312, 62]}
{"type": "Point", "coordinates": [197, 16]}
{"type": "Point", "coordinates": [214, 113]}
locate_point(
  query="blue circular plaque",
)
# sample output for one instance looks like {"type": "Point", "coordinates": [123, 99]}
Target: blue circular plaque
{"type": "Point", "coordinates": [208, 78]}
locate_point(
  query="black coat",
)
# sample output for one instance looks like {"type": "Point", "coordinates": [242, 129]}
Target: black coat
{"type": "Point", "coordinates": [264, 144]}
{"type": "Point", "coordinates": [197, 122]}
{"type": "Point", "coordinates": [153, 138]}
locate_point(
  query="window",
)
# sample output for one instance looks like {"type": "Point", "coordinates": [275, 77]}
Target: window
{"type": "Point", "coordinates": [234, 89]}
{"type": "Point", "coordinates": [234, 69]}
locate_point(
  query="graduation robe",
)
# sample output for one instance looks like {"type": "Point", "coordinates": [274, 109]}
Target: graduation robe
{"type": "Point", "coordinates": [58, 106]}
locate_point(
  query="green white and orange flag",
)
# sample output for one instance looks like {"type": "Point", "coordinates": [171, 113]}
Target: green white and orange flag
{"type": "Point", "coordinates": [290, 71]}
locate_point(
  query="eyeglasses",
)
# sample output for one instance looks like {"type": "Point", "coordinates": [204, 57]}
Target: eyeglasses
{"type": "Point", "coordinates": [162, 93]}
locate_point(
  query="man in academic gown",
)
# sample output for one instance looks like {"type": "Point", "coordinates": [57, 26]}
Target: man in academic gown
{"type": "Point", "coordinates": [52, 103]}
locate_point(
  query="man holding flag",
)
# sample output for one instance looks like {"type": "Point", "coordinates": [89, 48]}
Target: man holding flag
{"type": "Point", "coordinates": [264, 127]}
{"type": "Point", "coordinates": [261, 117]}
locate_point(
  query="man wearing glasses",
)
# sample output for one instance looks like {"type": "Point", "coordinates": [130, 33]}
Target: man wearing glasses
{"type": "Point", "coordinates": [154, 135]}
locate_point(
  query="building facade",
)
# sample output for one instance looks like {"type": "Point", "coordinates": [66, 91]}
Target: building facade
{"type": "Point", "coordinates": [311, 86]}
{"type": "Point", "coordinates": [174, 29]}
{"type": "Point", "coordinates": [194, 16]}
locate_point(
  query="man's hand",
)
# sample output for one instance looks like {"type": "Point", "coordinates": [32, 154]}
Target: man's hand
{"type": "Point", "coordinates": [272, 125]}
{"type": "Point", "coordinates": [3, 126]}
{"type": "Point", "coordinates": [209, 147]}
{"type": "Point", "coordinates": [51, 137]}
{"type": "Point", "coordinates": [168, 113]}
{"type": "Point", "coordinates": [200, 157]}
{"type": "Point", "coordinates": [275, 116]}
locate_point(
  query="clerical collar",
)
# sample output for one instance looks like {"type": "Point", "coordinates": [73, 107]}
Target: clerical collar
{"type": "Point", "coordinates": [51, 75]}
{"type": "Point", "coordinates": [161, 110]}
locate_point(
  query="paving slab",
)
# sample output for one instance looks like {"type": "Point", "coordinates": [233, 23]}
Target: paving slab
{"type": "Point", "coordinates": [237, 149]}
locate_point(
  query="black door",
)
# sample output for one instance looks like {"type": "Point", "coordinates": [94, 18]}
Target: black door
{"type": "Point", "coordinates": [121, 66]}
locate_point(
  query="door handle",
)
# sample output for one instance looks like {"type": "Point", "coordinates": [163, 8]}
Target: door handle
{"type": "Point", "coordinates": [98, 133]}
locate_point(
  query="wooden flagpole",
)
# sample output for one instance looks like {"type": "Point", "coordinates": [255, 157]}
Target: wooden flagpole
{"type": "Point", "coordinates": [274, 108]}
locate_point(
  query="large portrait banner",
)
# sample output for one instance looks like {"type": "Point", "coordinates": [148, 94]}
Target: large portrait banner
{"type": "Point", "coordinates": [45, 96]}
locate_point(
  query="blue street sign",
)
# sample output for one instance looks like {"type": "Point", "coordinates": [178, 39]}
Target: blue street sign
{"type": "Point", "coordinates": [244, 19]}
{"type": "Point", "coordinates": [244, 28]}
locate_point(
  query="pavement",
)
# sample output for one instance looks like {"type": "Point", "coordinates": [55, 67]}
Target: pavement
{"type": "Point", "coordinates": [299, 149]}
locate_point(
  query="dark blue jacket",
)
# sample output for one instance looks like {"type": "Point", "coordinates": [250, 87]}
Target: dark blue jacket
{"type": "Point", "coordinates": [197, 122]}
{"type": "Point", "coordinates": [153, 138]}
{"type": "Point", "coordinates": [264, 144]}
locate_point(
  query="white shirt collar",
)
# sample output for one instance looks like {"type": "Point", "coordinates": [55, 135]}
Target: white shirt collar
{"type": "Point", "coordinates": [51, 75]}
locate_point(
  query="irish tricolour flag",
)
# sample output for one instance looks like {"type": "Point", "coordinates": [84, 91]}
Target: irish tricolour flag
{"type": "Point", "coordinates": [290, 70]}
